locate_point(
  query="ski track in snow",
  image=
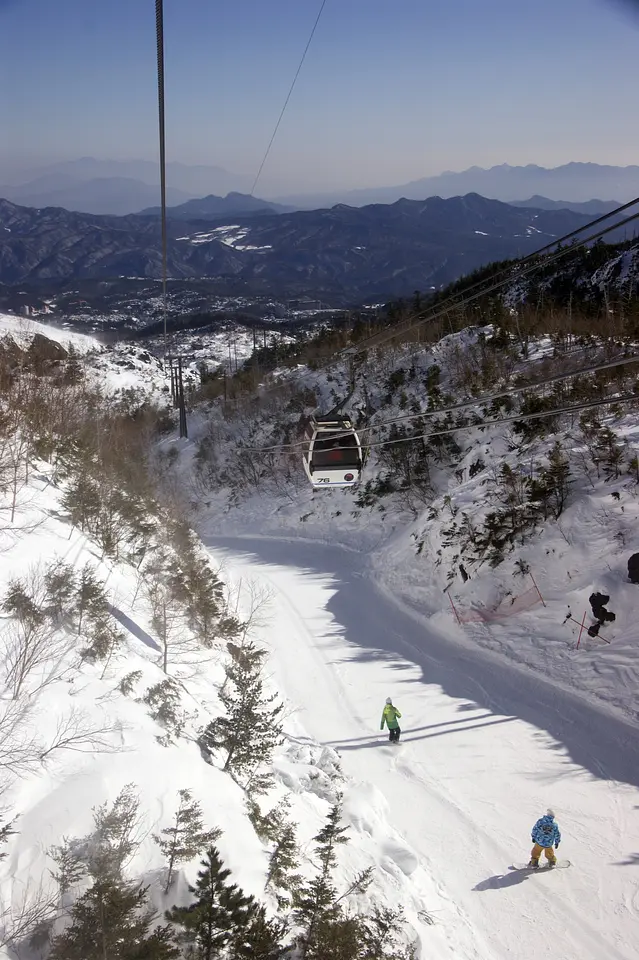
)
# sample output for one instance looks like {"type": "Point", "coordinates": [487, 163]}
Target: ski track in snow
{"type": "Point", "coordinates": [486, 747]}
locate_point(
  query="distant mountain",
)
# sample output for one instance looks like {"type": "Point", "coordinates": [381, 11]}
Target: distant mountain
{"type": "Point", "coordinates": [107, 195]}
{"type": "Point", "coordinates": [344, 254]}
{"type": "Point", "coordinates": [573, 182]}
{"type": "Point", "coordinates": [116, 187]}
{"type": "Point", "coordinates": [593, 208]}
{"type": "Point", "coordinates": [213, 206]}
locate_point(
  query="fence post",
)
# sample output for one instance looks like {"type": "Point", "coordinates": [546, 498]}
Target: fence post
{"type": "Point", "coordinates": [583, 623]}
{"type": "Point", "coordinates": [454, 609]}
{"type": "Point", "coordinates": [537, 588]}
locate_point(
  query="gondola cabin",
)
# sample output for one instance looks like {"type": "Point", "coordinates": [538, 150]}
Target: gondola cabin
{"type": "Point", "coordinates": [333, 456]}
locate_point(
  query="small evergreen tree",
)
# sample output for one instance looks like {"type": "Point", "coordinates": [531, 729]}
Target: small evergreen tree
{"type": "Point", "coordinates": [260, 939]}
{"type": "Point", "coordinates": [186, 837]}
{"type": "Point", "coordinates": [21, 604]}
{"type": "Point", "coordinates": [283, 862]}
{"type": "Point", "coordinates": [251, 729]}
{"type": "Point", "coordinates": [316, 900]}
{"type": "Point", "coordinates": [112, 920]}
{"type": "Point", "coordinates": [611, 452]}
{"type": "Point", "coordinates": [91, 599]}
{"type": "Point", "coordinates": [219, 914]}
{"type": "Point", "coordinates": [115, 838]}
{"type": "Point", "coordinates": [60, 585]}
{"type": "Point", "coordinates": [68, 857]}
{"type": "Point", "coordinates": [164, 700]}
{"type": "Point", "coordinates": [81, 500]}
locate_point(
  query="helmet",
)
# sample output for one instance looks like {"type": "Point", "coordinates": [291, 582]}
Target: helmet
{"type": "Point", "coordinates": [389, 701]}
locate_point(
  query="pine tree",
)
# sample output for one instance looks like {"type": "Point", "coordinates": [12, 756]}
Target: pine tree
{"type": "Point", "coordinates": [317, 899]}
{"type": "Point", "coordinates": [379, 935]}
{"type": "Point", "coordinates": [611, 453]}
{"type": "Point", "coordinates": [20, 603]}
{"type": "Point", "coordinates": [81, 500]}
{"type": "Point", "coordinates": [557, 479]}
{"type": "Point", "coordinates": [284, 860]}
{"type": "Point", "coordinates": [115, 838]}
{"type": "Point", "coordinates": [186, 837]}
{"type": "Point", "coordinates": [68, 857]}
{"type": "Point", "coordinates": [251, 728]}
{"type": "Point", "coordinates": [261, 939]}
{"type": "Point", "coordinates": [219, 913]}
{"type": "Point", "coordinates": [60, 585]}
{"type": "Point", "coordinates": [105, 638]}
{"type": "Point", "coordinates": [112, 920]}
{"type": "Point", "coordinates": [91, 598]}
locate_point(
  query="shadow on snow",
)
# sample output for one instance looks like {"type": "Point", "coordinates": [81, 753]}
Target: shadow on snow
{"type": "Point", "coordinates": [376, 628]}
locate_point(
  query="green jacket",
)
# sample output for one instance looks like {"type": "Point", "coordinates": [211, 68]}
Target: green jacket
{"type": "Point", "coordinates": [389, 716]}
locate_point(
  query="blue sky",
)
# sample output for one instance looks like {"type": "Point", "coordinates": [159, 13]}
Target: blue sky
{"type": "Point", "coordinates": [391, 89]}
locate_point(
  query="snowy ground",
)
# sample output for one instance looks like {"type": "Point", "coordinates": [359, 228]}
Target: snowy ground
{"type": "Point", "coordinates": [486, 748]}
{"type": "Point", "coordinates": [53, 798]}
{"type": "Point", "coordinates": [501, 719]}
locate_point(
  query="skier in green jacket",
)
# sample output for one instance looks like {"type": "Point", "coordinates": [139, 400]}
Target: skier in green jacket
{"type": "Point", "coordinates": [389, 717]}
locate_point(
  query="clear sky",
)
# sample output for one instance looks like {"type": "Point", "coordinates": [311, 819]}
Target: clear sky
{"type": "Point", "coordinates": [391, 90]}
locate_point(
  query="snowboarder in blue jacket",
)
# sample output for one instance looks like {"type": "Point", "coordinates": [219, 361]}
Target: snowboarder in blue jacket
{"type": "Point", "coordinates": [544, 835]}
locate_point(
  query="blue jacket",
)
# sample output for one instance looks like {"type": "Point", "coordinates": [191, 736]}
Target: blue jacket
{"type": "Point", "coordinates": [546, 832]}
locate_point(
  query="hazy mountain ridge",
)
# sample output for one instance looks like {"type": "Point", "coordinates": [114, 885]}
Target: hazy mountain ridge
{"type": "Point", "coordinates": [346, 254]}
{"type": "Point", "coordinates": [571, 182]}
{"type": "Point", "coordinates": [214, 206]}
{"type": "Point", "coordinates": [120, 187]}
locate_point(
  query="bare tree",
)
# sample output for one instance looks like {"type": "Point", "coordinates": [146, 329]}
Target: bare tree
{"type": "Point", "coordinates": [76, 731]}
{"type": "Point", "coordinates": [19, 744]}
{"type": "Point", "coordinates": [35, 908]}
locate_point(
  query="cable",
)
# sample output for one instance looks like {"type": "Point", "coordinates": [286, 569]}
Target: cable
{"type": "Point", "coordinates": [379, 339]}
{"type": "Point", "coordinates": [159, 30]}
{"type": "Point", "coordinates": [462, 406]}
{"type": "Point", "coordinates": [471, 426]}
{"type": "Point", "coordinates": [366, 344]}
{"type": "Point", "coordinates": [288, 97]}
{"type": "Point", "coordinates": [511, 274]}
{"type": "Point", "coordinates": [491, 423]}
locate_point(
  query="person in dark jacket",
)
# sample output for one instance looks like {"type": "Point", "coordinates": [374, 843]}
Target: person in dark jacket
{"type": "Point", "coordinates": [545, 834]}
{"type": "Point", "coordinates": [389, 717]}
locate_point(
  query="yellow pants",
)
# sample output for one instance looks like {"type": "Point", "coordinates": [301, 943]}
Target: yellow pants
{"type": "Point", "coordinates": [536, 852]}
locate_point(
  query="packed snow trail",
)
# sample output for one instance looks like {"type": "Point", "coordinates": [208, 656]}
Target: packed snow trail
{"type": "Point", "coordinates": [486, 747]}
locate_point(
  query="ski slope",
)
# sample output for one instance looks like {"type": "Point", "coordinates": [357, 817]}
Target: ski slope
{"type": "Point", "coordinates": [487, 746]}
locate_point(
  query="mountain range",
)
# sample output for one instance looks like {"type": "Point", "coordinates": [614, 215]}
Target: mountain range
{"type": "Point", "coordinates": [213, 206]}
{"type": "Point", "coordinates": [122, 187]}
{"type": "Point", "coordinates": [571, 182]}
{"type": "Point", "coordinates": [344, 254]}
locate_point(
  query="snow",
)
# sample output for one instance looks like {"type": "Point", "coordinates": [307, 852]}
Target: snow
{"type": "Point", "coordinates": [23, 331]}
{"type": "Point", "coordinates": [486, 747]}
{"type": "Point", "coordinates": [56, 800]}
{"type": "Point", "coordinates": [501, 718]}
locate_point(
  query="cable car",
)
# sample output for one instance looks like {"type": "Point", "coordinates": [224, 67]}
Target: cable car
{"type": "Point", "coordinates": [333, 457]}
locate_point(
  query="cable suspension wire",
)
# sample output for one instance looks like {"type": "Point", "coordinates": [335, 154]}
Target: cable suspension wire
{"type": "Point", "coordinates": [288, 97]}
{"type": "Point", "coordinates": [159, 30]}
{"type": "Point", "coordinates": [516, 274]}
{"type": "Point", "coordinates": [626, 398]}
{"type": "Point", "coordinates": [452, 302]}
{"type": "Point", "coordinates": [476, 402]}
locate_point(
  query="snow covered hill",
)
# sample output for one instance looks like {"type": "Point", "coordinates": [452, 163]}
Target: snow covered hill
{"type": "Point", "coordinates": [108, 684]}
{"type": "Point", "coordinates": [503, 714]}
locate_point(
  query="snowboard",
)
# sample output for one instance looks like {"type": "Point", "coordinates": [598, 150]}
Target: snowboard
{"type": "Point", "coordinates": [561, 864]}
